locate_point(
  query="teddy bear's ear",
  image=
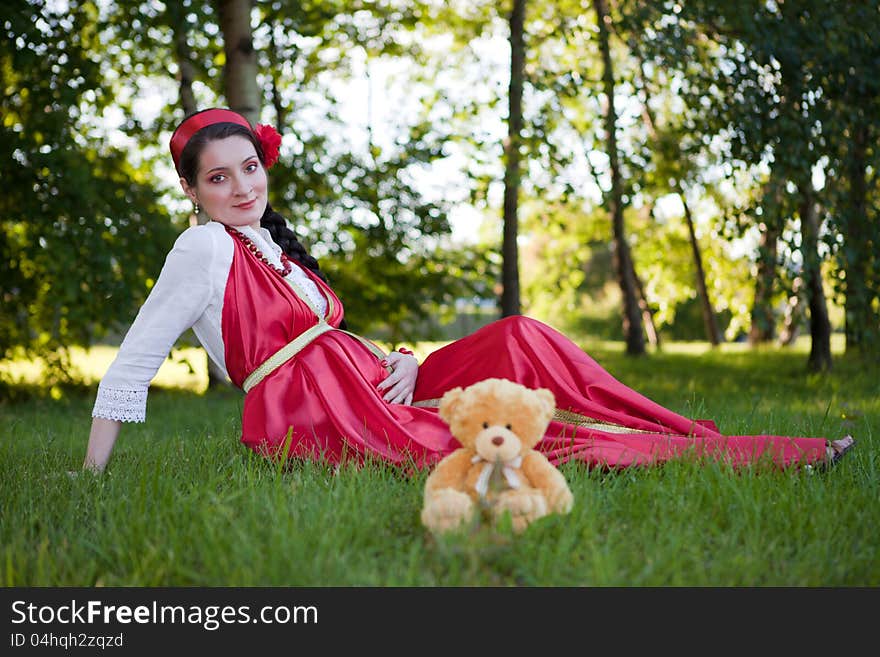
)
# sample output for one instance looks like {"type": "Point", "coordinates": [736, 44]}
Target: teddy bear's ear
{"type": "Point", "coordinates": [548, 402]}
{"type": "Point", "coordinates": [448, 403]}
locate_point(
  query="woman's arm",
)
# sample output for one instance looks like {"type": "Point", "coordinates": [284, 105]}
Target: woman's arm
{"type": "Point", "coordinates": [182, 292]}
{"type": "Point", "coordinates": [101, 439]}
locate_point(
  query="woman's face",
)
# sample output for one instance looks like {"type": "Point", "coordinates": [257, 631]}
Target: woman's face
{"type": "Point", "coordinates": [231, 182]}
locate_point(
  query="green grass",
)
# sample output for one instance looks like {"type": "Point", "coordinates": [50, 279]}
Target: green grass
{"type": "Point", "coordinates": [184, 504]}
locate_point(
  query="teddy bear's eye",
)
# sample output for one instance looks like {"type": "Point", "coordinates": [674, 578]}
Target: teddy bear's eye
{"type": "Point", "coordinates": [485, 425]}
{"type": "Point", "coordinates": [509, 427]}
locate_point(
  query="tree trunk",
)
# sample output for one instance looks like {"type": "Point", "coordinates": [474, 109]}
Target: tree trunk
{"type": "Point", "coordinates": [240, 71]}
{"type": "Point", "coordinates": [709, 320]}
{"type": "Point", "coordinates": [796, 161]}
{"type": "Point", "coordinates": [186, 71]}
{"type": "Point", "coordinates": [510, 300]}
{"type": "Point", "coordinates": [820, 326]}
{"type": "Point", "coordinates": [647, 313]}
{"type": "Point", "coordinates": [648, 316]}
{"type": "Point", "coordinates": [794, 311]}
{"type": "Point", "coordinates": [277, 101]}
{"type": "Point", "coordinates": [623, 263]}
{"type": "Point", "coordinates": [763, 324]}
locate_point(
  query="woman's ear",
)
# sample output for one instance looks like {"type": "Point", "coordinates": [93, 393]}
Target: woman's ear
{"type": "Point", "coordinates": [188, 190]}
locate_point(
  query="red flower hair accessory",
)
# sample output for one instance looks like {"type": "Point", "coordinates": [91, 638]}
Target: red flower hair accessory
{"type": "Point", "coordinates": [270, 140]}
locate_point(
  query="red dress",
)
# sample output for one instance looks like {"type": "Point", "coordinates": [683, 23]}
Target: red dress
{"type": "Point", "coordinates": [323, 402]}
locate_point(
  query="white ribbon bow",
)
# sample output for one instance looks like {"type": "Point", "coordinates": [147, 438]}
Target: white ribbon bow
{"type": "Point", "coordinates": [508, 469]}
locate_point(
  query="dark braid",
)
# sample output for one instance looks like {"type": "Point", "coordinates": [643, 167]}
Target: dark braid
{"type": "Point", "coordinates": [286, 239]}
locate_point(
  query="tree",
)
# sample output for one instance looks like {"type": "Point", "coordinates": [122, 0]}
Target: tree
{"type": "Point", "coordinates": [673, 164]}
{"type": "Point", "coordinates": [820, 327]}
{"type": "Point", "coordinates": [82, 233]}
{"type": "Point", "coordinates": [765, 101]}
{"type": "Point", "coordinates": [240, 65]}
{"type": "Point", "coordinates": [846, 73]}
{"type": "Point", "coordinates": [356, 203]}
{"type": "Point", "coordinates": [510, 302]}
{"type": "Point", "coordinates": [623, 265]}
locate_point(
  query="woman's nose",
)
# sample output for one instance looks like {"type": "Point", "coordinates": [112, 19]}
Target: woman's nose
{"type": "Point", "coordinates": [242, 187]}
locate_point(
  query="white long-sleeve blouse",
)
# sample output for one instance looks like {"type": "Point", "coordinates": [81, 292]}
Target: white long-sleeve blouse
{"type": "Point", "coordinates": [188, 294]}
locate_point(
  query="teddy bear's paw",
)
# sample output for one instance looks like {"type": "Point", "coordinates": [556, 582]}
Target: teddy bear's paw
{"type": "Point", "coordinates": [447, 510]}
{"type": "Point", "coordinates": [525, 504]}
{"type": "Point", "coordinates": [519, 523]}
{"type": "Point", "coordinates": [561, 500]}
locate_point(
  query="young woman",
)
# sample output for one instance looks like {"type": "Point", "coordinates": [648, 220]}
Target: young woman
{"type": "Point", "coordinates": [265, 314]}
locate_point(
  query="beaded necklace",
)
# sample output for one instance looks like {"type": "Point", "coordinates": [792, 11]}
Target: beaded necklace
{"type": "Point", "coordinates": [282, 271]}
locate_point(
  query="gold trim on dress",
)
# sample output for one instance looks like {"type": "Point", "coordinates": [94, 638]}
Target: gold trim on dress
{"type": "Point", "coordinates": [566, 417]}
{"type": "Point", "coordinates": [578, 420]}
{"type": "Point", "coordinates": [284, 354]}
{"type": "Point", "coordinates": [372, 346]}
{"type": "Point", "coordinates": [296, 345]}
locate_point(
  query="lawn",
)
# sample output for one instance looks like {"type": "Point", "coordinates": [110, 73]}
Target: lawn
{"type": "Point", "coordinates": [184, 504]}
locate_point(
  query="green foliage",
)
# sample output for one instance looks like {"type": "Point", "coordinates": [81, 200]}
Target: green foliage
{"type": "Point", "coordinates": [789, 87]}
{"type": "Point", "coordinates": [564, 258]}
{"type": "Point", "coordinates": [81, 231]}
{"type": "Point", "coordinates": [376, 235]}
{"type": "Point", "coordinates": [382, 242]}
{"type": "Point", "coordinates": [568, 276]}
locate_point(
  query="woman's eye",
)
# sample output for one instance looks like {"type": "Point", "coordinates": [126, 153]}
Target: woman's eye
{"type": "Point", "coordinates": [250, 168]}
{"type": "Point", "coordinates": [218, 178]}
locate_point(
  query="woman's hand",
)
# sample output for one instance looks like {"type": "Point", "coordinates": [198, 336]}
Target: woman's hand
{"type": "Point", "coordinates": [400, 384]}
{"type": "Point", "coordinates": [101, 439]}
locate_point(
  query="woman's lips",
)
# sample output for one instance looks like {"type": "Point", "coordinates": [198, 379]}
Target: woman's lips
{"type": "Point", "coordinates": [247, 206]}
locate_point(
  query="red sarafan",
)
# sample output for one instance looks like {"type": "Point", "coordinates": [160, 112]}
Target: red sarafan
{"type": "Point", "coordinates": [323, 401]}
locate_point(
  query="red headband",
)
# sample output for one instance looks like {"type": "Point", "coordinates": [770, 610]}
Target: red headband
{"type": "Point", "coordinates": [268, 137]}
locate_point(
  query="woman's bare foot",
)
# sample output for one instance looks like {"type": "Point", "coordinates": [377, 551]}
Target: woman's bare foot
{"type": "Point", "coordinates": [837, 448]}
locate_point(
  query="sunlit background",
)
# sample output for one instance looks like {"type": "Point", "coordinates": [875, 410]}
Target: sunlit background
{"type": "Point", "coordinates": [740, 186]}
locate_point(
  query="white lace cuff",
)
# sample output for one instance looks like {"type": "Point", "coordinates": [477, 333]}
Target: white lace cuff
{"type": "Point", "coordinates": [122, 405]}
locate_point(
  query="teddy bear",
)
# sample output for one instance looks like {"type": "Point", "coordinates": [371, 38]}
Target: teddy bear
{"type": "Point", "coordinates": [498, 423]}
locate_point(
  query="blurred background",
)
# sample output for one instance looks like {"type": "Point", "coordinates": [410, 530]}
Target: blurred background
{"type": "Point", "coordinates": [639, 171]}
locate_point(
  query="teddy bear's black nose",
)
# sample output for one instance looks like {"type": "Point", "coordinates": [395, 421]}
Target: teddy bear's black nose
{"type": "Point", "coordinates": [497, 440]}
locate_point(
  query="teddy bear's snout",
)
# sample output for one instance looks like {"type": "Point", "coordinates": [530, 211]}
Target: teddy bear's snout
{"type": "Point", "coordinates": [497, 443]}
